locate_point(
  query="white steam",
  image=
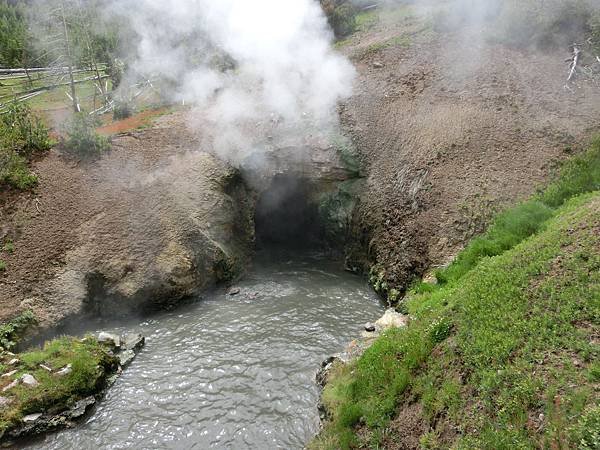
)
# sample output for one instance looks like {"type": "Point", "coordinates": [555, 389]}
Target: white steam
{"type": "Point", "coordinates": [248, 67]}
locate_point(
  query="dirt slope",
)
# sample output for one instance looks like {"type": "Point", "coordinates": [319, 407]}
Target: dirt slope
{"type": "Point", "coordinates": [451, 127]}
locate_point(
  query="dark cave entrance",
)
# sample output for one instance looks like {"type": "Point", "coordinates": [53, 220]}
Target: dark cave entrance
{"type": "Point", "coordinates": [286, 215]}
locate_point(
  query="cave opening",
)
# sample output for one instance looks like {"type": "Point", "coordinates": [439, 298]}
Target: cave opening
{"type": "Point", "coordinates": [287, 215]}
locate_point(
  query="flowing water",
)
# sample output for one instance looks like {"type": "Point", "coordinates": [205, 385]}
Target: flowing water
{"type": "Point", "coordinates": [232, 372]}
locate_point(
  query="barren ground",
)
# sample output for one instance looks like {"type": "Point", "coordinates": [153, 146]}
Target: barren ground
{"type": "Point", "coordinates": [450, 128]}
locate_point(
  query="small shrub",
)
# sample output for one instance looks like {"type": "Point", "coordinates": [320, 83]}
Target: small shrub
{"type": "Point", "coordinates": [82, 139]}
{"type": "Point", "coordinates": [341, 16]}
{"type": "Point", "coordinates": [21, 135]}
{"type": "Point", "coordinates": [14, 170]}
{"type": "Point", "coordinates": [122, 111]}
{"type": "Point", "coordinates": [2, 266]}
{"type": "Point", "coordinates": [9, 247]}
{"type": "Point", "coordinates": [11, 332]}
{"type": "Point", "coordinates": [22, 131]}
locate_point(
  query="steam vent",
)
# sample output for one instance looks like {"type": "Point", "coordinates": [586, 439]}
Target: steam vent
{"type": "Point", "coordinates": [334, 224]}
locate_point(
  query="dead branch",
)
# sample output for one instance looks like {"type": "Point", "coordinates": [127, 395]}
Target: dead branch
{"type": "Point", "coordinates": [574, 62]}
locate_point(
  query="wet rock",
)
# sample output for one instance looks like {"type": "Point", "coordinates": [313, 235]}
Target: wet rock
{"type": "Point", "coordinates": [323, 372]}
{"type": "Point", "coordinates": [369, 327]}
{"type": "Point", "coordinates": [32, 418]}
{"type": "Point", "coordinates": [81, 407]}
{"type": "Point", "coordinates": [109, 339]}
{"type": "Point", "coordinates": [9, 374]}
{"type": "Point", "coordinates": [29, 380]}
{"type": "Point", "coordinates": [233, 291]}
{"type": "Point", "coordinates": [65, 370]}
{"type": "Point", "coordinates": [134, 342]}
{"type": "Point", "coordinates": [126, 357]}
{"type": "Point", "coordinates": [391, 319]}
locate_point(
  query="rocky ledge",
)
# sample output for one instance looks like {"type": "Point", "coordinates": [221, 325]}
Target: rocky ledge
{"type": "Point", "coordinates": [44, 390]}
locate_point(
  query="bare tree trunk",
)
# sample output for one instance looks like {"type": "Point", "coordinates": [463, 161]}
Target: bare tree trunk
{"type": "Point", "coordinates": [76, 107]}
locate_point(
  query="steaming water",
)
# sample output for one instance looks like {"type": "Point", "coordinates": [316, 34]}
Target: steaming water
{"type": "Point", "coordinates": [232, 372]}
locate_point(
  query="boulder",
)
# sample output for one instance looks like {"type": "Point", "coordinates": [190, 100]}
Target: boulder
{"type": "Point", "coordinates": [134, 342]}
{"type": "Point", "coordinates": [81, 407]}
{"type": "Point", "coordinates": [113, 340]}
{"type": "Point", "coordinates": [126, 357]}
{"type": "Point", "coordinates": [369, 327]}
{"type": "Point", "coordinates": [29, 380]}
{"type": "Point", "coordinates": [32, 417]}
{"type": "Point", "coordinates": [390, 319]}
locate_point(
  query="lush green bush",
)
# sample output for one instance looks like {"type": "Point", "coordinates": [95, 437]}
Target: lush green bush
{"type": "Point", "coordinates": [21, 135]}
{"type": "Point", "coordinates": [341, 15]}
{"type": "Point", "coordinates": [22, 131]}
{"type": "Point", "coordinates": [11, 332]}
{"type": "Point", "coordinates": [81, 137]}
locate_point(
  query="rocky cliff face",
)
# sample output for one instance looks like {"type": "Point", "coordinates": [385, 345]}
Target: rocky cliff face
{"type": "Point", "coordinates": [149, 224]}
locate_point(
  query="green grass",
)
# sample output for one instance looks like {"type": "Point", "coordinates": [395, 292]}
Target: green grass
{"type": "Point", "coordinates": [502, 354]}
{"type": "Point", "coordinates": [581, 174]}
{"type": "Point", "coordinates": [2, 266]}
{"type": "Point", "coordinates": [9, 246]}
{"type": "Point", "coordinates": [90, 366]}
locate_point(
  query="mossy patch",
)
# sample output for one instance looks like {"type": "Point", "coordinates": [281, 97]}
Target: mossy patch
{"type": "Point", "coordinates": [90, 365]}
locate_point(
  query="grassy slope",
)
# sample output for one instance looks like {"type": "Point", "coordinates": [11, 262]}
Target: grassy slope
{"type": "Point", "coordinates": [504, 352]}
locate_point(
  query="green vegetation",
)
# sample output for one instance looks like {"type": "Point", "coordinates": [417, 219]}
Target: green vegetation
{"type": "Point", "coordinates": [90, 366]}
{"type": "Point", "coordinates": [341, 15]}
{"type": "Point", "coordinates": [581, 174]}
{"type": "Point", "coordinates": [12, 331]}
{"type": "Point", "coordinates": [22, 135]}
{"type": "Point", "coordinates": [13, 34]}
{"type": "Point", "coordinates": [82, 139]}
{"type": "Point", "coordinates": [2, 266]}
{"type": "Point", "coordinates": [502, 353]}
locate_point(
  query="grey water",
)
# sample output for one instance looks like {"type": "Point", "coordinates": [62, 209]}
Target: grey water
{"type": "Point", "coordinates": [232, 372]}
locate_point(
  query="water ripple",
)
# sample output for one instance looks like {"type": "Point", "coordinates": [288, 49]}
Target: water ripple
{"type": "Point", "coordinates": [232, 372]}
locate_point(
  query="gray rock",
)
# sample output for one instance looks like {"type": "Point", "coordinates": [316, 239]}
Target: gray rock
{"type": "Point", "coordinates": [134, 342]}
{"type": "Point", "coordinates": [110, 339]}
{"type": "Point", "coordinates": [392, 319]}
{"type": "Point", "coordinates": [378, 65]}
{"type": "Point", "coordinates": [32, 418]}
{"type": "Point", "coordinates": [369, 327]}
{"type": "Point", "coordinates": [29, 380]}
{"type": "Point", "coordinates": [125, 357]}
{"type": "Point", "coordinates": [46, 368]}
{"type": "Point", "coordinates": [5, 401]}
{"type": "Point", "coordinates": [9, 374]}
{"type": "Point", "coordinates": [11, 385]}
{"type": "Point", "coordinates": [65, 370]}
{"type": "Point", "coordinates": [81, 407]}
{"type": "Point", "coordinates": [13, 362]}
{"type": "Point", "coordinates": [233, 291]}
